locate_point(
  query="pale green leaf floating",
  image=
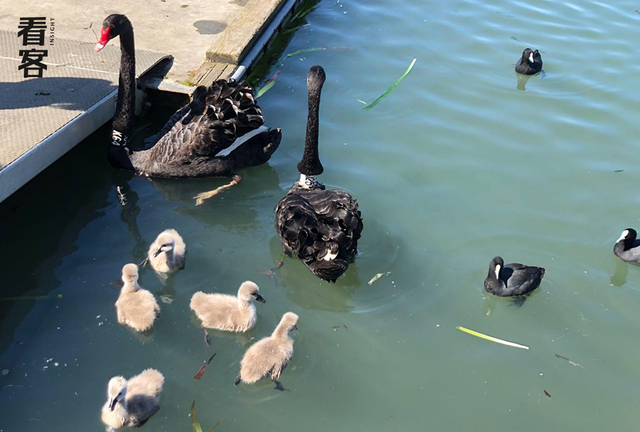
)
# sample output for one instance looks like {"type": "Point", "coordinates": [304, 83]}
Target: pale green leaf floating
{"type": "Point", "coordinates": [303, 51]}
{"type": "Point", "coordinates": [491, 338]}
{"type": "Point", "coordinates": [194, 418]}
{"type": "Point", "coordinates": [215, 425]}
{"type": "Point", "coordinates": [390, 89]}
{"type": "Point", "coordinates": [265, 88]}
{"type": "Point", "coordinates": [30, 297]}
{"type": "Point", "coordinates": [515, 38]}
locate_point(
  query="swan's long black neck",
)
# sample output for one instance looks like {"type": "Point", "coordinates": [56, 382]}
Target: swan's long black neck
{"type": "Point", "coordinates": [310, 164]}
{"type": "Point", "coordinates": [124, 117]}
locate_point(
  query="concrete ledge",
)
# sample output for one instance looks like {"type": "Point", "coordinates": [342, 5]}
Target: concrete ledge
{"type": "Point", "coordinates": [247, 27]}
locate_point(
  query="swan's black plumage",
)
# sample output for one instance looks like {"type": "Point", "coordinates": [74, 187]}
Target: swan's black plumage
{"type": "Point", "coordinates": [514, 279]}
{"type": "Point", "coordinates": [189, 143]}
{"type": "Point", "coordinates": [627, 247]}
{"type": "Point", "coordinates": [530, 63]}
{"type": "Point", "coordinates": [320, 227]}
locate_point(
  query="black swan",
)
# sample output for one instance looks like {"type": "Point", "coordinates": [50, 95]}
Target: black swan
{"type": "Point", "coordinates": [218, 133]}
{"type": "Point", "coordinates": [626, 248]}
{"type": "Point", "coordinates": [512, 279]}
{"type": "Point", "coordinates": [320, 227]}
{"type": "Point", "coordinates": [530, 63]}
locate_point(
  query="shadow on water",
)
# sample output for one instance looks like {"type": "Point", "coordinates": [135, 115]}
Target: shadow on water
{"type": "Point", "coordinates": [33, 246]}
{"type": "Point", "coordinates": [619, 276]}
{"type": "Point", "coordinates": [62, 93]}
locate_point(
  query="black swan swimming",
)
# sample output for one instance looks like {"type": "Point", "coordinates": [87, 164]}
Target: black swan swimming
{"type": "Point", "coordinates": [626, 248]}
{"type": "Point", "coordinates": [320, 227]}
{"type": "Point", "coordinates": [218, 133]}
{"type": "Point", "coordinates": [530, 63]}
{"type": "Point", "coordinates": [512, 279]}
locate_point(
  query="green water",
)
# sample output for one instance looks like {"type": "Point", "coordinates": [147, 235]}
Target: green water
{"type": "Point", "coordinates": [456, 166]}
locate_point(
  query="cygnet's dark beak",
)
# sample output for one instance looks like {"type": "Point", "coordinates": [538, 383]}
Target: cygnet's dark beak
{"type": "Point", "coordinates": [260, 298]}
{"type": "Point", "coordinates": [295, 327]}
{"type": "Point", "coordinates": [113, 403]}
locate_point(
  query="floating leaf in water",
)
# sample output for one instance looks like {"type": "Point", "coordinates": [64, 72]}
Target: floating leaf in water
{"type": "Point", "coordinates": [200, 373]}
{"type": "Point", "coordinates": [361, 101]}
{"type": "Point", "coordinates": [265, 88]}
{"type": "Point", "coordinates": [569, 360]}
{"type": "Point", "coordinates": [30, 297]}
{"type": "Point", "coordinates": [211, 358]}
{"type": "Point", "coordinates": [618, 171]}
{"type": "Point", "coordinates": [491, 338]}
{"type": "Point", "coordinates": [378, 276]}
{"type": "Point", "coordinates": [194, 418]}
{"type": "Point", "coordinates": [547, 393]}
{"type": "Point", "coordinates": [515, 38]}
{"type": "Point", "coordinates": [307, 50]}
{"type": "Point", "coordinates": [270, 82]}
{"type": "Point", "coordinates": [390, 89]}
{"type": "Point", "coordinates": [215, 425]}
{"type": "Point", "coordinates": [291, 30]}
{"type": "Point", "coordinates": [339, 326]}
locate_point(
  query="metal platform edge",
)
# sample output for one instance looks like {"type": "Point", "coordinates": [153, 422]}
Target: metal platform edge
{"type": "Point", "coordinates": [56, 145]}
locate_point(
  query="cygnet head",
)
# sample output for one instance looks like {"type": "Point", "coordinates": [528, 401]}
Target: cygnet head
{"type": "Point", "coordinates": [130, 273]}
{"type": "Point", "coordinates": [165, 243]}
{"type": "Point", "coordinates": [116, 390]}
{"type": "Point", "coordinates": [249, 292]}
{"type": "Point", "coordinates": [289, 321]}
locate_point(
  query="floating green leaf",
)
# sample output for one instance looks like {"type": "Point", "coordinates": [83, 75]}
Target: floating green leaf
{"type": "Point", "coordinates": [390, 89]}
{"type": "Point", "coordinates": [196, 423]}
{"type": "Point", "coordinates": [307, 50]}
{"type": "Point", "coordinates": [515, 38]}
{"type": "Point", "coordinates": [194, 418]}
{"type": "Point", "coordinates": [491, 338]}
{"type": "Point", "coordinates": [378, 276]}
{"type": "Point", "coordinates": [291, 30]}
{"type": "Point", "coordinates": [570, 361]}
{"type": "Point", "coordinates": [270, 82]}
{"type": "Point", "coordinates": [265, 88]}
{"type": "Point", "coordinates": [30, 297]}
{"type": "Point", "coordinates": [215, 425]}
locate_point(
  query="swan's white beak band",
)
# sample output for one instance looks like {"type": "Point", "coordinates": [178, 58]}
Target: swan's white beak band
{"type": "Point", "coordinates": [531, 58]}
{"type": "Point", "coordinates": [105, 36]}
{"type": "Point", "coordinates": [498, 271]}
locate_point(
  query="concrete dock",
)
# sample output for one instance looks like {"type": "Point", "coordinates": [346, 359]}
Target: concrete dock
{"type": "Point", "coordinates": [43, 118]}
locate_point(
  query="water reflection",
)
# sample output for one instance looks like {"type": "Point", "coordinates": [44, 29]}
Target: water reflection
{"type": "Point", "coordinates": [619, 277]}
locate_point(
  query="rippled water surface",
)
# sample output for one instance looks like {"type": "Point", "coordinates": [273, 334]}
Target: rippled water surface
{"type": "Point", "coordinates": [459, 164]}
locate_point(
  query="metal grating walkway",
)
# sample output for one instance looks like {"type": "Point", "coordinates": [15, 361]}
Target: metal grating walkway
{"type": "Point", "coordinates": [32, 110]}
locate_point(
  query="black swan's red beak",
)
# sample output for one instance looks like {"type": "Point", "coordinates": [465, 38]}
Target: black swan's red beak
{"type": "Point", "coordinates": [105, 36]}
